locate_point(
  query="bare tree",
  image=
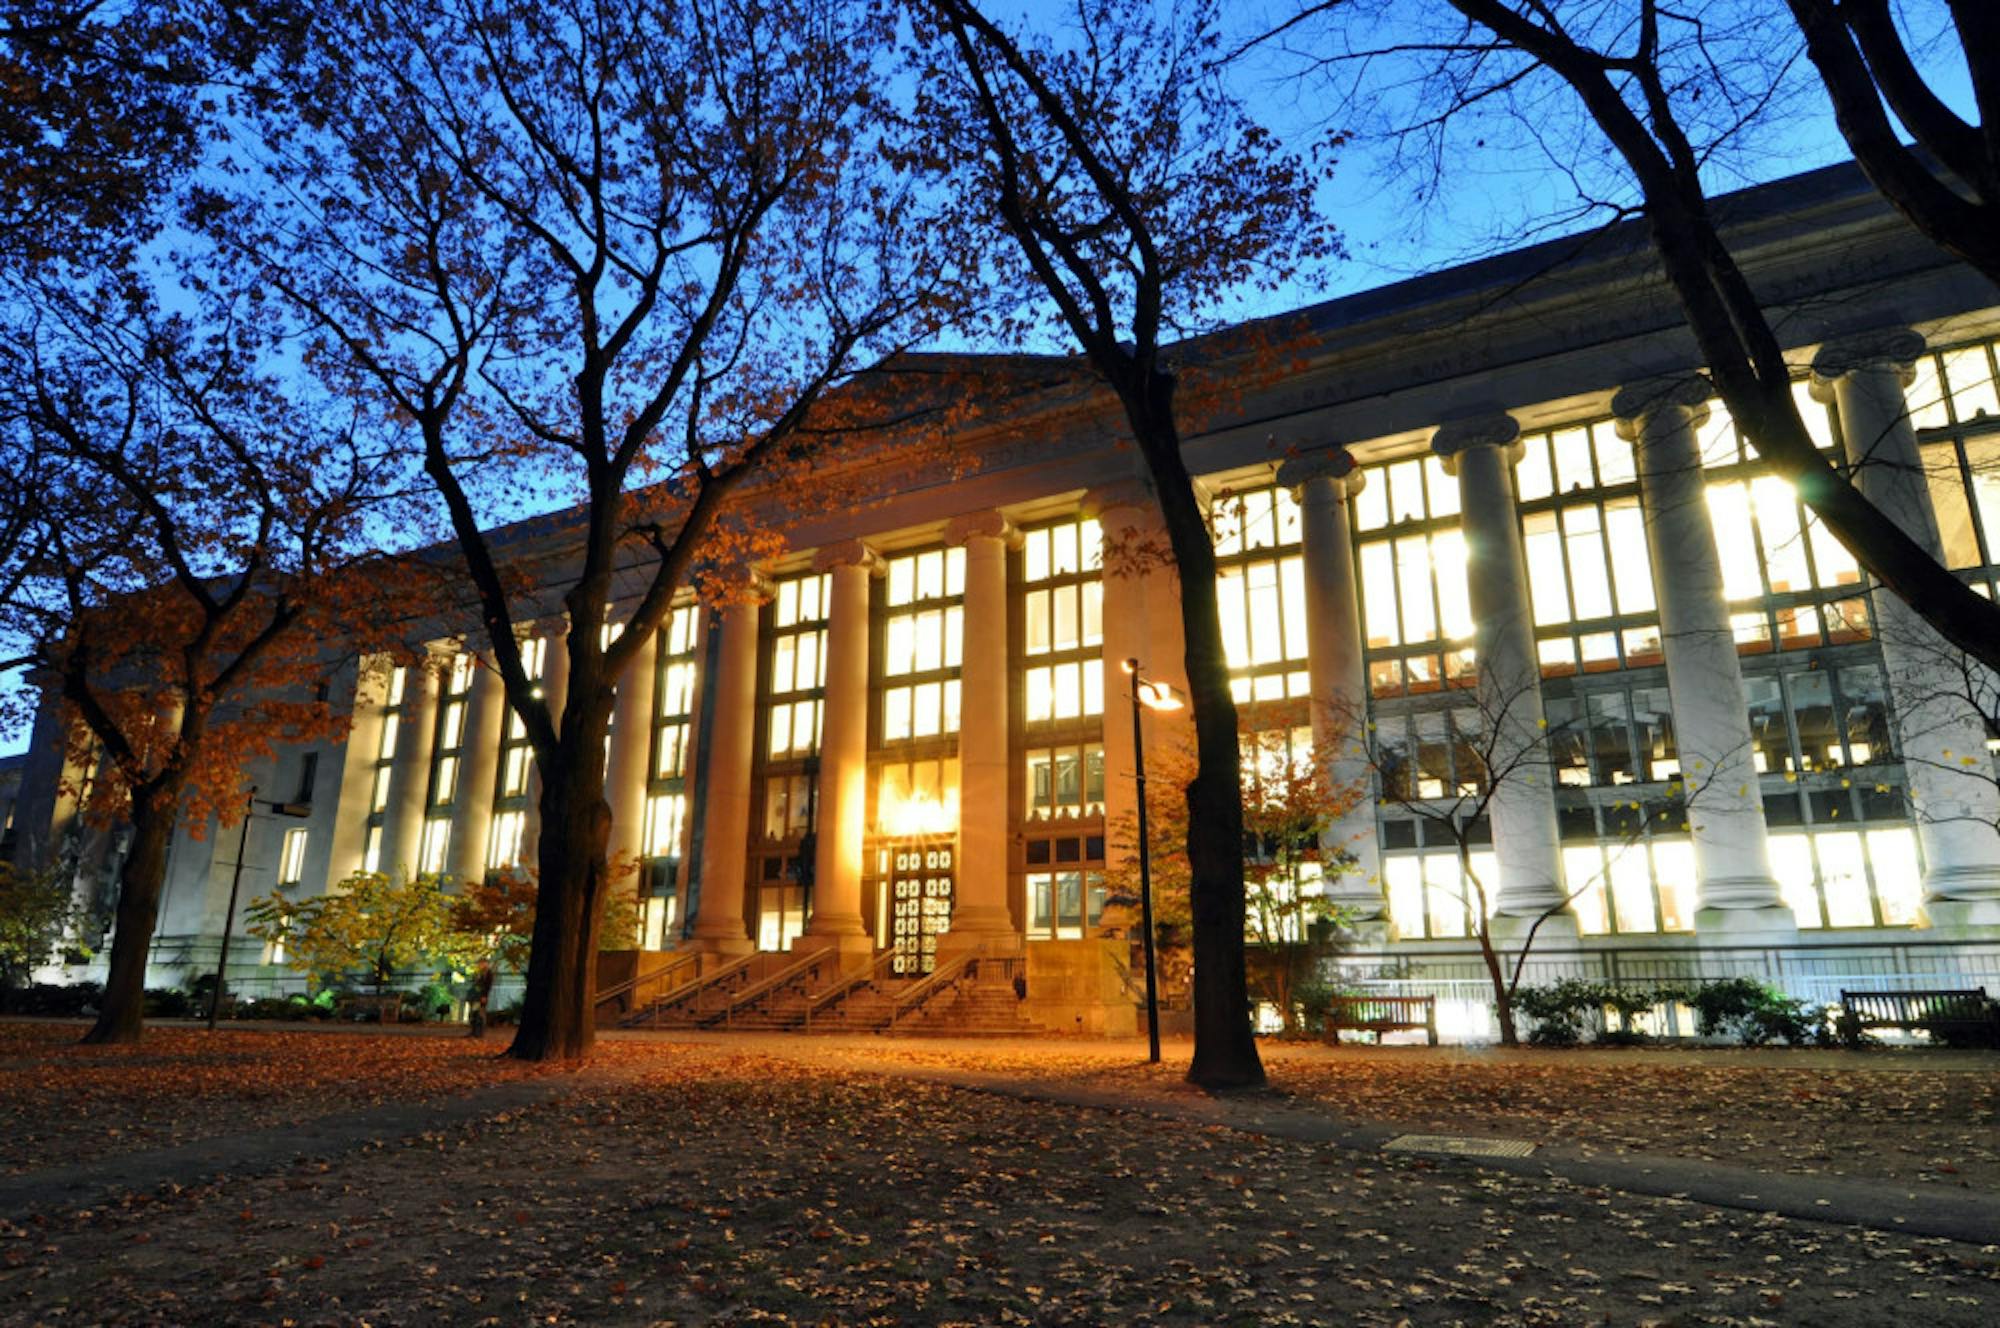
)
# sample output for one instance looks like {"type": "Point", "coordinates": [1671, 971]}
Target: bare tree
{"type": "Point", "coordinates": [1487, 760]}
{"type": "Point", "coordinates": [579, 249]}
{"type": "Point", "coordinates": [1673, 91]}
{"type": "Point", "coordinates": [188, 534]}
{"type": "Point", "coordinates": [1136, 194]}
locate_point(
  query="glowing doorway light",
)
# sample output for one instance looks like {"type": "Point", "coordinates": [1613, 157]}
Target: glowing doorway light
{"type": "Point", "coordinates": [919, 814]}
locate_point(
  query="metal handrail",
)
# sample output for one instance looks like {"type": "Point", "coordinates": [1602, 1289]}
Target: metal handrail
{"type": "Point", "coordinates": [842, 989]}
{"type": "Point", "coordinates": [638, 980]}
{"type": "Point", "coordinates": [700, 986]}
{"type": "Point", "coordinates": [920, 995]}
{"type": "Point", "coordinates": [758, 990]}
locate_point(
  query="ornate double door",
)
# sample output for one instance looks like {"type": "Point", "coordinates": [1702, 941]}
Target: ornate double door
{"type": "Point", "coordinates": [921, 880]}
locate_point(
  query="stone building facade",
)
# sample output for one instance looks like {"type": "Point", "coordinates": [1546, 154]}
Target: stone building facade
{"type": "Point", "coordinates": [1493, 513]}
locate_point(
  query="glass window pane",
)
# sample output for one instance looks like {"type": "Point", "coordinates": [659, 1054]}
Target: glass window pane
{"type": "Point", "coordinates": [1413, 574]}
{"type": "Point", "coordinates": [1292, 573]}
{"type": "Point", "coordinates": [1371, 505]}
{"type": "Point", "coordinates": [1378, 594]}
{"type": "Point", "coordinates": [1532, 477]}
{"type": "Point", "coordinates": [1631, 570]}
{"type": "Point", "coordinates": [1950, 503]}
{"type": "Point", "coordinates": [1035, 555]}
{"type": "Point", "coordinates": [1892, 853]}
{"type": "Point", "coordinates": [1406, 490]}
{"type": "Point", "coordinates": [1404, 876]}
{"type": "Point", "coordinates": [1843, 878]}
{"type": "Point", "coordinates": [1970, 378]}
{"type": "Point", "coordinates": [1572, 455]}
{"type": "Point", "coordinates": [900, 653]}
{"type": "Point", "coordinates": [1729, 512]}
{"type": "Point", "coordinates": [1542, 544]}
{"type": "Point", "coordinates": [1443, 488]}
{"type": "Point", "coordinates": [1093, 613]}
{"type": "Point", "coordinates": [1614, 455]}
{"type": "Point", "coordinates": [1062, 551]}
{"type": "Point", "coordinates": [1454, 600]}
{"type": "Point", "coordinates": [1792, 864]}
{"type": "Point", "coordinates": [1038, 621]}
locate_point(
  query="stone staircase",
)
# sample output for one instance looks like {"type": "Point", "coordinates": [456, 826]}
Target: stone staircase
{"type": "Point", "coordinates": [783, 993]}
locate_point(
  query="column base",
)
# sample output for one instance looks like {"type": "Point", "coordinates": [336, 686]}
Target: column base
{"type": "Point", "coordinates": [1974, 883]}
{"type": "Point", "coordinates": [1769, 925]}
{"type": "Point", "coordinates": [856, 948]}
{"type": "Point", "coordinates": [1962, 914]}
{"type": "Point", "coordinates": [733, 945]}
{"type": "Point", "coordinates": [1366, 934]}
{"type": "Point", "coordinates": [973, 927]}
{"type": "Point", "coordinates": [1558, 928]}
{"type": "Point", "coordinates": [1741, 894]}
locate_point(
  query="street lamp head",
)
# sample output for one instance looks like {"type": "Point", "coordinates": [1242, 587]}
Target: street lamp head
{"type": "Point", "coordinates": [1132, 667]}
{"type": "Point", "coordinates": [1159, 696]}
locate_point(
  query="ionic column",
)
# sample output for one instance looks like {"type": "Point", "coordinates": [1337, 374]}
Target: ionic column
{"type": "Point", "coordinates": [1735, 889]}
{"type": "Point", "coordinates": [555, 691]}
{"type": "Point", "coordinates": [843, 757]}
{"type": "Point", "coordinates": [410, 777]}
{"type": "Point", "coordinates": [1481, 452]}
{"type": "Point", "coordinates": [1938, 727]}
{"type": "Point", "coordinates": [1322, 482]}
{"type": "Point", "coordinates": [725, 806]}
{"type": "Point", "coordinates": [370, 680]}
{"type": "Point", "coordinates": [979, 914]}
{"type": "Point", "coordinates": [626, 777]}
{"type": "Point", "coordinates": [478, 759]}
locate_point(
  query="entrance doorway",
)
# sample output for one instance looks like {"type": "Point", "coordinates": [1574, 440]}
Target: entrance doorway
{"type": "Point", "coordinates": [921, 877]}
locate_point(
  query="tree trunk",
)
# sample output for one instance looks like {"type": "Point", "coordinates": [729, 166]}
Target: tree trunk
{"type": "Point", "coordinates": [1225, 1047]}
{"type": "Point", "coordinates": [558, 1004]}
{"type": "Point", "coordinates": [121, 1015]}
{"type": "Point", "coordinates": [1503, 995]}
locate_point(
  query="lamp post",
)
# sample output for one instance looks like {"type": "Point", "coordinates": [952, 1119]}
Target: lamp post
{"type": "Point", "coordinates": [1154, 696]}
{"type": "Point", "coordinates": [299, 810]}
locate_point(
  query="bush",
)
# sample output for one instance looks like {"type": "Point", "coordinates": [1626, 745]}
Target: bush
{"type": "Point", "coordinates": [169, 1003]}
{"type": "Point", "coordinates": [1754, 1014]}
{"type": "Point", "coordinates": [53, 1000]}
{"type": "Point", "coordinates": [431, 1001]}
{"type": "Point", "coordinates": [265, 1007]}
{"type": "Point", "coordinates": [1558, 1011]}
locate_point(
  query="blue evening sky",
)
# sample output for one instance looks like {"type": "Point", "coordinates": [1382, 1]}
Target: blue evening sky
{"type": "Point", "coordinates": [1502, 190]}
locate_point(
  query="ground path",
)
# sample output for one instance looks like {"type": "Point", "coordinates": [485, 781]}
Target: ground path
{"type": "Point", "coordinates": [748, 1180]}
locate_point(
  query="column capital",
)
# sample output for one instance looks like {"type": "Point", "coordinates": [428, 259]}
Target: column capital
{"type": "Point", "coordinates": [1635, 402]}
{"type": "Point", "coordinates": [849, 553]}
{"type": "Point", "coordinates": [1334, 463]}
{"type": "Point", "coordinates": [1893, 348]}
{"type": "Point", "coordinates": [1134, 493]}
{"type": "Point", "coordinates": [736, 584]}
{"type": "Point", "coordinates": [982, 525]}
{"type": "Point", "coordinates": [1453, 438]}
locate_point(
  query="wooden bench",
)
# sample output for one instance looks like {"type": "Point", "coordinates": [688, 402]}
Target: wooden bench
{"type": "Point", "coordinates": [1965, 1013]}
{"type": "Point", "coordinates": [1381, 1014]}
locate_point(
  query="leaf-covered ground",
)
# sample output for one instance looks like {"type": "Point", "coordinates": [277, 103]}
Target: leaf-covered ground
{"type": "Point", "coordinates": [63, 1103]}
{"type": "Point", "coordinates": [1919, 1117]}
{"type": "Point", "coordinates": [710, 1184]}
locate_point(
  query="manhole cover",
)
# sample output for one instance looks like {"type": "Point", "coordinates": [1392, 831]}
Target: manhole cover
{"type": "Point", "coordinates": [1458, 1145]}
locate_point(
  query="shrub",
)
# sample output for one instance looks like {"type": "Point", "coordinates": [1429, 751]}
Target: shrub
{"type": "Point", "coordinates": [1559, 1010]}
{"type": "Point", "coordinates": [1754, 1014]}
{"type": "Point", "coordinates": [54, 1000]}
{"type": "Point", "coordinates": [168, 1003]}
